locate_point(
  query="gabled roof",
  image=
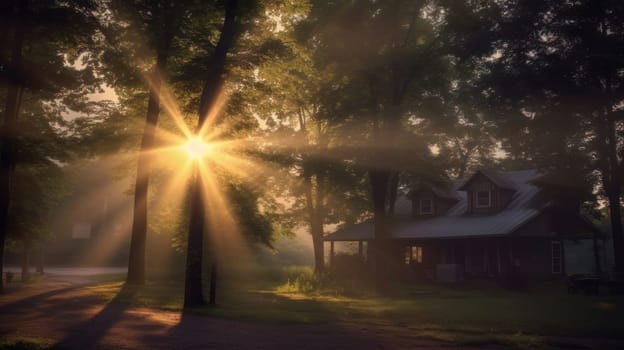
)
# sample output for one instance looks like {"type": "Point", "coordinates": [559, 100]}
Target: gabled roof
{"type": "Point", "coordinates": [455, 223]}
{"type": "Point", "coordinates": [499, 179]}
{"type": "Point", "coordinates": [438, 190]}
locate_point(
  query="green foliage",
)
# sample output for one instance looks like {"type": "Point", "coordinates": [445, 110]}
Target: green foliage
{"type": "Point", "coordinates": [26, 343]}
{"type": "Point", "coordinates": [257, 226]}
{"type": "Point", "coordinates": [307, 282]}
{"type": "Point", "coordinates": [37, 190]}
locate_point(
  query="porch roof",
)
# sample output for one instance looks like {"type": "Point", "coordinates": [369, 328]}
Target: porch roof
{"type": "Point", "coordinates": [458, 226]}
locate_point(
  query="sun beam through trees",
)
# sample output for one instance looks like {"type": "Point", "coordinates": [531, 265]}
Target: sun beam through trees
{"type": "Point", "coordinates": [307, 152]}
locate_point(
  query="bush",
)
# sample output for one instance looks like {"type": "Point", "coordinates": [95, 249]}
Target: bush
{"type": "Point", "coordinates": [308, 282]}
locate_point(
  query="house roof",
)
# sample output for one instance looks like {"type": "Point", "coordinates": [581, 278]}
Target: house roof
{"type": "Point", "coordinates": [455, 224]}
{"type": "Point", "coordinates": [500, 179]}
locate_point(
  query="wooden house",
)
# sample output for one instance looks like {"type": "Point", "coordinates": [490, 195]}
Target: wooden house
{"type": "Point", "coordinates": [490, 225]}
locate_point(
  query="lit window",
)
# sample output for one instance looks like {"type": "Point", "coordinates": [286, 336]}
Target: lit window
{"type": "Point", "coordinates": [413, 255]}
{"type": "Point", "coordinates": [484, 199]}
{"type": "Point", "coordinates": [426, 206]}
{"type": "Point", "coordinates": [556, 256]}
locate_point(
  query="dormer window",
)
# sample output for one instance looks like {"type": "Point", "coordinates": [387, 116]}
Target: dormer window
{"type": "Point", "coordinates": [426, 207]}
{"type": "Point", "coordinates": [483, 199]}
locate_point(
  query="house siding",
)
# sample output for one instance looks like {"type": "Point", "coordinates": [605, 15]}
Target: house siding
{"type": "Point", "coordinates": [534, 258]}
{"type": "Point", "coordinates": [481, 183]}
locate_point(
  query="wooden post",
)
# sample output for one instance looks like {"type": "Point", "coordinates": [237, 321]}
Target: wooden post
{"type": "Point", "coordinates": [563, 259]}
{"type": "Point", "coordinates": [331, 253]}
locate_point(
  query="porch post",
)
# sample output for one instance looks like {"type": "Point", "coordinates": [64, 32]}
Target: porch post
{"type": "Point", "coordinates": [563, 258]}
{"type": "Point", "coordinates": [331, 253]}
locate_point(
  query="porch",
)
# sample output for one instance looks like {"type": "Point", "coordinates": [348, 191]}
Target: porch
{"type": "Point", "coordinates": [502, 257]}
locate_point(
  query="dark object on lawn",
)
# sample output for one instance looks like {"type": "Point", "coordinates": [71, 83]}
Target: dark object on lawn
{"type": "Point", "coordinates": [9, 276]}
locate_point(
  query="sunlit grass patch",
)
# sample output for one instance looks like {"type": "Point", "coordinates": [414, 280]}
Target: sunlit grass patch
{"type": "Point", "coordinates": [470, 314]}
{"type": "Point", "coordinates": [468, 338]}
{"type": "Point", "coordinates": [152, 295]}
{"type": "Point", "coordinates": [112, 277]}
{"type": "Point", "coordinates": [25, 343]}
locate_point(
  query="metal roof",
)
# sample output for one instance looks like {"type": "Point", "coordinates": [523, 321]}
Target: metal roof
{"type": "Point", "coordinates": [455, 223]}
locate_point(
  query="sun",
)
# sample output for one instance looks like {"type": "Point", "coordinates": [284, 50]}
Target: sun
{"type": "Point", "coordinates": [196, 148]}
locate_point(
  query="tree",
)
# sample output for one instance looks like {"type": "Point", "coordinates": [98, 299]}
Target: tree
{"type": "Point", "coordinates": [159, 22]}
{"type": "Point", "coordinates": [554, 80]}
{"type": "Point", "coordinates": [37, 40]}
{"type": "Point", "coordinates": [394, 70]}
{"type": "Point", "coordinates": [291, 95]}
{"type": "Point", "coordinates": [215, 79]}
{"type": "Point", "coordinates": [37, 189]}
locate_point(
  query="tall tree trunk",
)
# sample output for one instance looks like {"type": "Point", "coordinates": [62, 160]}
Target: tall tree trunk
{"type": "Point", "coordinates": [379, 180]}
{"type": "Point", "coordinates": [213, 283]}
{"type": "Point", "coordinates": [319, 255]}
{"type": "Point", "coordinates": [314, 208]}
{"type": "Point", "coordinates": [9, 130]}
{"type": "Point", "coordinates": [193, 295]}
{"type": "Point", "coordinates": [598, 268]}
{"type": "Point", "coordinates": [26, 244]}
{"type": "Point", "coordinates": [40, 259]}
{"type": "Point", "coordinates": [384, 184]}
{"type": "Point", "coordinates": [136, 259]}
{"type": "Point", "coordinates": [614, 194]}
{"type": "Point", "coordinates": [393, 191]}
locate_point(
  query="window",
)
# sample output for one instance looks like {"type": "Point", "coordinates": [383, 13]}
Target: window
{"type": "Point", "coordinates": [556, 256]}
{"type": "Point", "coordinates": [484, 199]}
{"type": "Point", "coordinates": [413, 255]}
{"type": "Point", "coordinates": [426, 206]}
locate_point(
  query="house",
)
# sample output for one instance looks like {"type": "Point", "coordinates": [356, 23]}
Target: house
{"type": "Point", "coordinates": [490, 225]}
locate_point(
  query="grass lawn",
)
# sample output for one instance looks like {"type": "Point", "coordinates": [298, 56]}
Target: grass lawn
{"type": "Point", "coordinates": [469, 314]}
{"type": "Point", "coordinates": [25, 343]}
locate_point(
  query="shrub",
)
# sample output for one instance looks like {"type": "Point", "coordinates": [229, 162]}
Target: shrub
{"type": "Point", "coordinates": [308, 282]}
